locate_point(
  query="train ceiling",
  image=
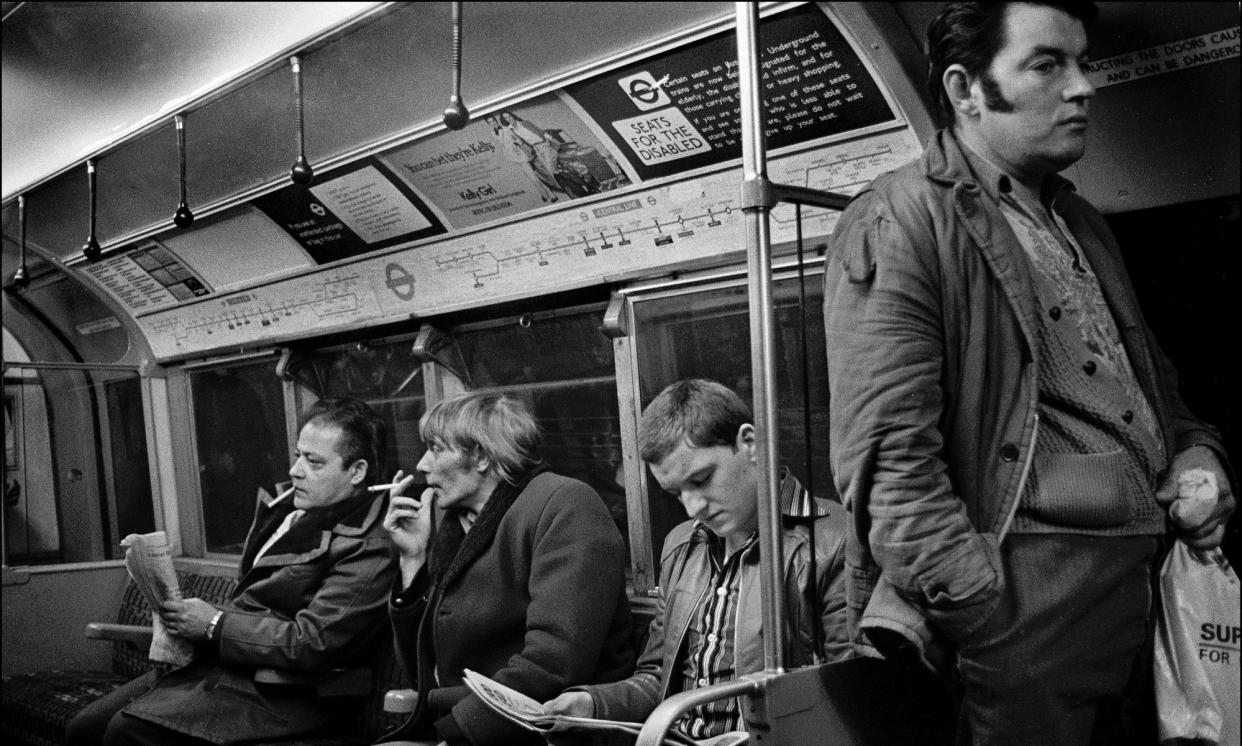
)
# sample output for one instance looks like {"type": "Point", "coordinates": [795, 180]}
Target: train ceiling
{"type": "Point", "coordinates": [384, 73]}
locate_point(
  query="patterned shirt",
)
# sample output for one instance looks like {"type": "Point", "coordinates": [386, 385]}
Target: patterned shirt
{"type": "Point", "coordinates": [711, 639]}
{"type": "Point", "coordinates": [1099, 449]}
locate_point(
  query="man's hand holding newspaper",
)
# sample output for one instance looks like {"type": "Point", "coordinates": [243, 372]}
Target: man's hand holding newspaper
{"type": "Point", "coordinates": [149, 561]}
{"type": "Point", "coordinates": [529, 714]}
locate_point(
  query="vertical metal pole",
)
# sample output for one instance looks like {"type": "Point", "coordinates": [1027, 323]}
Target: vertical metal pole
{"type": "Point", "coordinates": [762, 334]}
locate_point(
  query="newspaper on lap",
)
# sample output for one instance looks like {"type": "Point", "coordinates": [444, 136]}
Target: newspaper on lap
{"type": "Point", "coordinates": [149, 561]}
{"type": "Point", "coordinates": [529, 714]}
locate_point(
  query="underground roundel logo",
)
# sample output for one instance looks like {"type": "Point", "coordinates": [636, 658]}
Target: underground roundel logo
{"type": "Point", "coordinates": [645, 91]}
{"type": "Point", "coordinates": [399, 281]}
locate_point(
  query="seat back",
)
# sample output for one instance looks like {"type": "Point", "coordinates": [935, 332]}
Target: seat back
{"type": "Point", "coordinates": [371, 721]}
{"type": "Point", "coordinates": [127, 659]}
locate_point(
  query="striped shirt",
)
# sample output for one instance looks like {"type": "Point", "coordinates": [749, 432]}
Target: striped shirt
{"type": "Point", "coordinates": [711, 639]}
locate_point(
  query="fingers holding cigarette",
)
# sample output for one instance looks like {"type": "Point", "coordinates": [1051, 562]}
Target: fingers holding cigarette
{"type": "Point", "coordinates": [399, 482]}
{"type": "Point", "coordinates": [409, 519]}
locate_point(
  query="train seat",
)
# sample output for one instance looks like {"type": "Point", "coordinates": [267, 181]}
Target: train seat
{"type": "Point", "coordinates": [403, 701]}
{"type": "Point", "coordinates": [37, 707]}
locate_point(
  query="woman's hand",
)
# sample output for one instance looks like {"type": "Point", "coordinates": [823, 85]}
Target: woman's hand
{"type": "Point", "coordinates": [409, 524]}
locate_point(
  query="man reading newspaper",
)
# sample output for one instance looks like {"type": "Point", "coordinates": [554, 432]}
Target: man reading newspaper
{"type": "Point", "coordinates": [285, 657]}
{"type": "Point", "coordinates": [529, 714]}
{"type": "Point", "coordinates": [698, 439]}
{"type": "Point", "coordinates": [149, 561]}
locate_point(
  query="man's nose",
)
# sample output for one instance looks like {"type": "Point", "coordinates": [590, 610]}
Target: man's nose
{"type": "Point", "coordinates": [693, 502]}
{"type": "Point", "coordinates": [295, 471]}
{"type": "Point", "coordinates": [424, 463]}
{"type": "Point", "coordinates": [1078, 86]}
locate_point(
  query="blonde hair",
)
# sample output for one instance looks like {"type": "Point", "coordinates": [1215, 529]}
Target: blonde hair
{"type": "Point", "coordinates": [494, 425]}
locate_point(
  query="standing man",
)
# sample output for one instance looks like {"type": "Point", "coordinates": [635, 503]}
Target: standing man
{"type": "Point", "coordinates": [273, 663]}
{"type": "Point", "coordinates": [1005, 431]}
{"type": "Point", "coordinates": [698, 438]}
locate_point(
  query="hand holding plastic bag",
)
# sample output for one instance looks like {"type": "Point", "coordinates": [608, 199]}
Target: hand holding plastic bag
{"type": "Point", "coordinates": [1197, 642]}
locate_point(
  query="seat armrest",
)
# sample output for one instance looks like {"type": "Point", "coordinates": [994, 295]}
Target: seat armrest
{"type": "Point", "coordinates": [139, 636]}
{"type": "Point", "coordinates": [400, 701]}
{"type": "Point", "coordinates": [339, 682]}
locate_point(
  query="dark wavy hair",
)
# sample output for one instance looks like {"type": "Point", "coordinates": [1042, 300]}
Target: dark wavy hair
{"type": "Point", "coordinates": [363, 434]}
{"type": "Point", "coordinates": [970, 35]}
{"type": "Point", "coordinates": [701, 412]}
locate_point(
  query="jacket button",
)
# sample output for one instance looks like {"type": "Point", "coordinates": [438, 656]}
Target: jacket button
{"type": "Point", "coordinates": [1128, 416]}
{"type": "Point", "coordinates": [1089, 367]}
{"type": "Point", "coordinates": [1055, 313]}
{"type": "Point", "coordinates": [1009, 452]}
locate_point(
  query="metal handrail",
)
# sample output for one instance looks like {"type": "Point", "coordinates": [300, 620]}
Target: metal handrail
{"type": "Point", "coordinates": [663, 717]}
{"type": "Point", "coordinates": [759, 196]}
{"type": "Point", "coordinates": [762, 333]}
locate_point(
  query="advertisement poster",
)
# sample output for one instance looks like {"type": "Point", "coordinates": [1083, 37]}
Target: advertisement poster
{"type": "Point", "coordinates": [148, 277]}
{"type": "Point", "coordinates": [508, 162]}
{"type": "Point", "coordinates": [679, 111]}
{"type": "Point", "coordinates": [350, 212]}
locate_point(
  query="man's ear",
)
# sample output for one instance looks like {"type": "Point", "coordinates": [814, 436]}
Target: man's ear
{"type": "Point", "coordinates": [958, 86]}
{"type": "Point", "coordinates": [358, 472]}
{"type": "Point", "coordinates": [481, 462]}
{"type": "Point", "coordinates": [746, 440]}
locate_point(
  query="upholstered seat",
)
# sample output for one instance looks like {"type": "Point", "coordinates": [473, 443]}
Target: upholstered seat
{"type": "Point", "coordinates": [37, 707]}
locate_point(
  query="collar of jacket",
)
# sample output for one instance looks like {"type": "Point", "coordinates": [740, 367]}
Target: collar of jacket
{"type": "Point", "coordinates": [310, 537]}
{"type": "Point", "coordinates": [945, 163]}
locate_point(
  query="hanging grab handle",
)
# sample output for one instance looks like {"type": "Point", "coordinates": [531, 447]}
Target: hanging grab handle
{"type": "Point", "coordinates": [456, 116]}
{"type": "Point", "coordinates": [91, 249]}
{"type": "Point", "coordinates": [21, 277]}
{"type": "Point", "coordinates": [301, 173]}
{"type": "Point", "coordinates": [183, 218]}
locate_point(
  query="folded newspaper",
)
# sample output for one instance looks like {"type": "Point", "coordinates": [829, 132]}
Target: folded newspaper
{"type": "Point", "coordinates": [529, 714]}
{"type": "Point", "coordinates": [149, 561]}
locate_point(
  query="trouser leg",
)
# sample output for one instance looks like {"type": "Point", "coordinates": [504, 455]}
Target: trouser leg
{"type": "Point", "coordinates": [1062, 644]}
{"type": "Point", "coordinates": [127, 730]}
{"type": "Point", "coordinates": [88, 726]}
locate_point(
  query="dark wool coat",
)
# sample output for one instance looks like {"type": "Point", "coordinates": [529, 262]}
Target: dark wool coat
{"type": "Point", "coordinates": [540, 608]}
{"type": "Point", "coordinates": [313, 603]}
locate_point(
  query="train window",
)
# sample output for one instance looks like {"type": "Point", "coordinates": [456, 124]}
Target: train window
{"type": "Point", "coordinates": [383, 373]}
{"type": "Point", "coordinates": [239, 426]}
{"type": "Point", "coordinates": [704, 332]}
{"type": "Point", "coordinates": [77, 478]}
{"type": "Point", "coordinates": [562, 365]}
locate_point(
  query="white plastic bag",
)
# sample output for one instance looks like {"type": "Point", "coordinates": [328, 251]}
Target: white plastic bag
{"type": "Point", "coordinates": [1197, 641]}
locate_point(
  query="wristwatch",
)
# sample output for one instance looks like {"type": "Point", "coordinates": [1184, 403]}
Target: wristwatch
{"type": "Point", "coordinates": [211, 626]}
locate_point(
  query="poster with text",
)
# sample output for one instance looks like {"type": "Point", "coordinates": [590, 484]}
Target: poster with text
{"type": "Point", "coordinates": [351, 211]}
{"type": "Point", "coordinates": [508, 162]}
{"type": "Point", "coordinates": [148, 276]}
{"type": "Point", "coordinates": [679, 111]}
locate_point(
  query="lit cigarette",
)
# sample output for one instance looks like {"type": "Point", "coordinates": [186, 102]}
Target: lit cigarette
{"type": "Point", "coordinates": [285, 494]}
{"type": "Point", "coordinates": [382, 487]}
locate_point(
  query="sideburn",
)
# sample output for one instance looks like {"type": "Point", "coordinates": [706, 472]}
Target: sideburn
{"type": "Point", "coordinates": [992, 96]}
